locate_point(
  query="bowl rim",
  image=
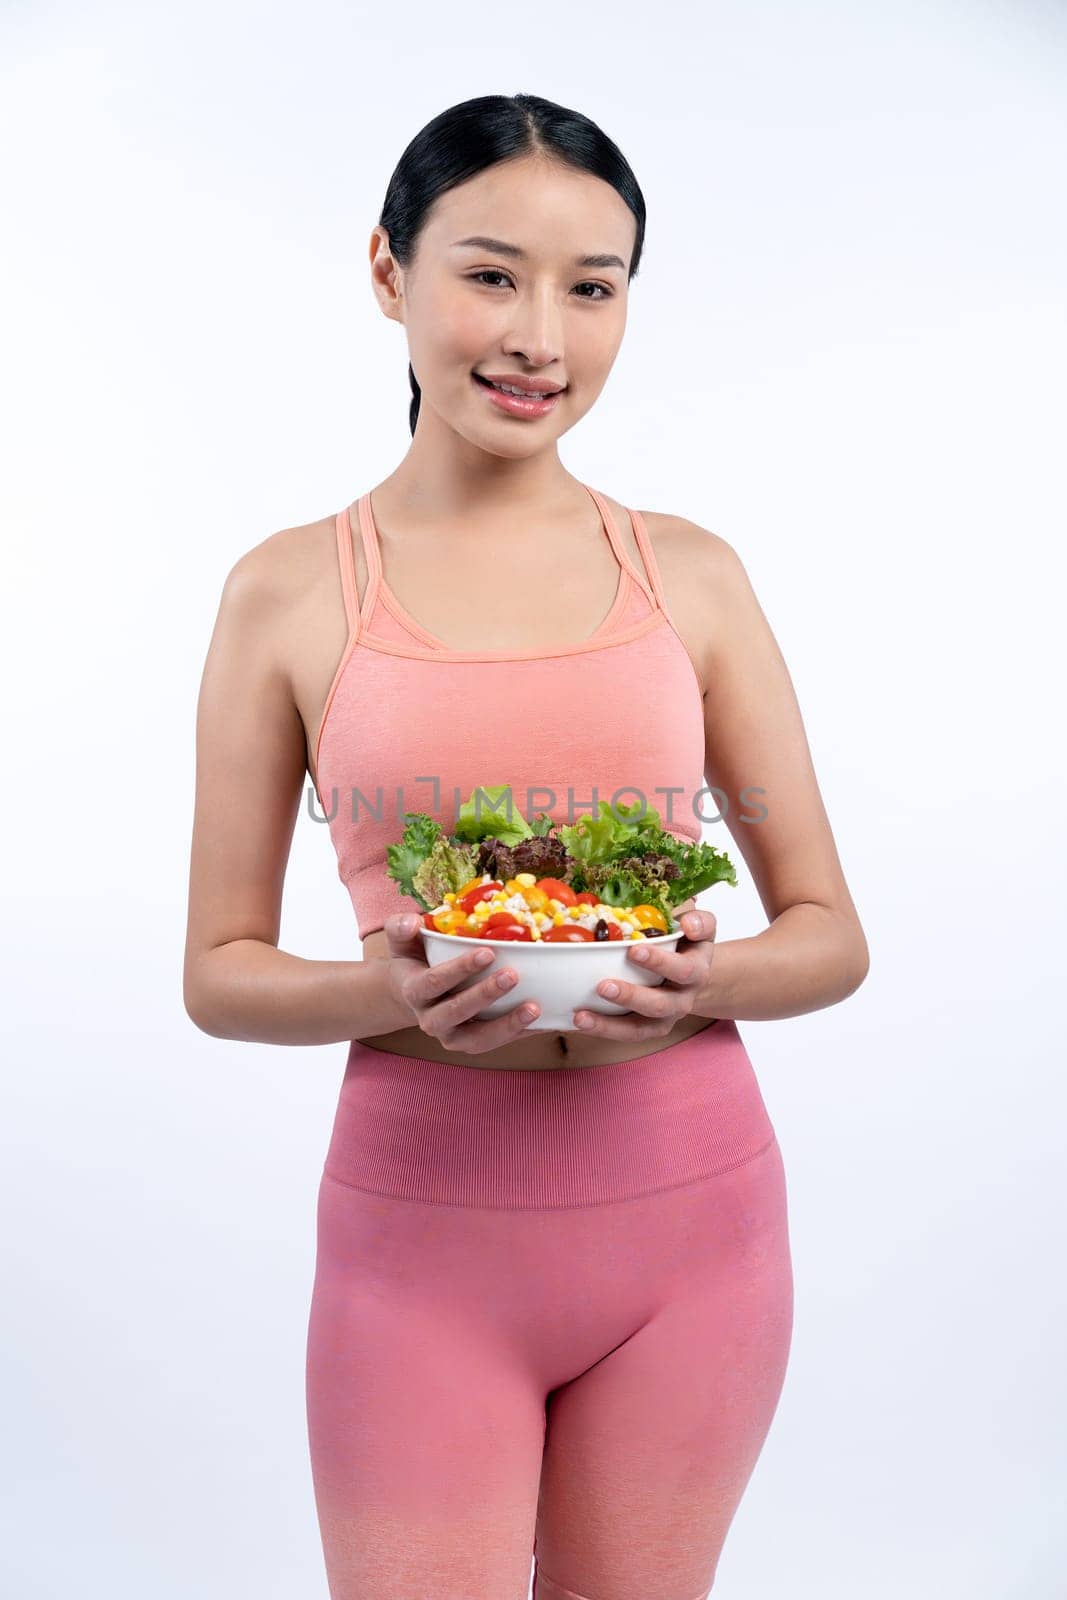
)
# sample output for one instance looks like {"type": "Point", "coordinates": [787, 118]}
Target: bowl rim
{"type": "Point", "coordinates": [532, 944]}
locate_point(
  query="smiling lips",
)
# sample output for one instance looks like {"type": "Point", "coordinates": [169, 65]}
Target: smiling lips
{"type": "Point", "coordinates": [517, 405]}
{"type": "Point", "coordinates": [513, 380]}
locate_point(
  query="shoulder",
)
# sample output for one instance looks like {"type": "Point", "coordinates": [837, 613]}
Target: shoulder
{"type": "Point", "coordinates": [275, 595]}
{"type": "Point", "coordinates": [708, 591]}
{"type": "Point", "coordinates": [698, 567]}
{"type": "Point", "coordinates": [283, 566]}
{"type": "Point", "coordinates": [687, 546]}
{"type": "Point", "coordinates": [703, 581]}
{"type": "Point", "coordinates": [285, 578]}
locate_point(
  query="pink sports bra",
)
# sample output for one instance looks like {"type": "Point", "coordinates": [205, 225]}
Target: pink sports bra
{"type": "Point", "coordinates": [413, 725]}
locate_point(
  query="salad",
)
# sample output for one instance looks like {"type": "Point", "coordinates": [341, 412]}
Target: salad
{"type": "Point", "coordinates": [618, 875]}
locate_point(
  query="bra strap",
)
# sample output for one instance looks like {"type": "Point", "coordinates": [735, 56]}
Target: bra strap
{"type": "Point", "coordinates": [617, 545]}
{"type": "Point", "coordinates": [644, 544]}
{"type": "Point", "coordinates": [372, 554]}
{"type": "Point", "coordinates": [346, 562]}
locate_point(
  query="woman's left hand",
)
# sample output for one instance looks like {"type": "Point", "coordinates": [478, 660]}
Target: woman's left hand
{"type": "Point", "coordinates": [654, 1009]}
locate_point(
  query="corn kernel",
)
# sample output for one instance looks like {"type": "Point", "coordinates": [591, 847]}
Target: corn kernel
{"type": "Point", "coordinates": [526, 879]}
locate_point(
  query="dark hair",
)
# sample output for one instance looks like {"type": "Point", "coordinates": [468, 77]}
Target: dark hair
{"type": "Point", "coordinates": [467, 138]}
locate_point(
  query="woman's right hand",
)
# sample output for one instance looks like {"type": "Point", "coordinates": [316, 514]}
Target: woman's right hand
{"type": "Point", "coordinates": [443, 1011]}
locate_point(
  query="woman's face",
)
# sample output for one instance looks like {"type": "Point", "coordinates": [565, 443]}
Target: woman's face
{"type": "Point", "coordinates": [542, 314]}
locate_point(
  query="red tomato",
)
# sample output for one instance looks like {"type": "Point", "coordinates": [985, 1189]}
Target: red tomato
{"type": "Point", "coordinates": [428, 922]}
{"type": "Point", "coordinates": [501, 919]}
{"type": "Point", "coordinates": [517, 931]}
{"type": "Point", "coordinates": [556, 889]}
{"type": "Point", "coordinates": [614, 931]}
{"type": "Point", "coordinates": [587, 898]}
{"type": "Point", "coordinates": [568, 933]}
{"type": "Point", "coordinates": [484, 891]}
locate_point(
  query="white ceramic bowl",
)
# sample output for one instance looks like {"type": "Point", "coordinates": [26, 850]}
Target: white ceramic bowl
{"type": "Point", "coordinates": [562, 977]}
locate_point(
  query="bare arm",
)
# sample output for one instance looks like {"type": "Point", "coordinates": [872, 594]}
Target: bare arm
{"type": "Point", "coordinates": [814, 953]}
{"type": "Point", "coordinates": [250, 765]}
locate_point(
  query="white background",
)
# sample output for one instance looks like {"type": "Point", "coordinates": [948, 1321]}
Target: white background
{"type": "Point", "coordinates": [845, 354]}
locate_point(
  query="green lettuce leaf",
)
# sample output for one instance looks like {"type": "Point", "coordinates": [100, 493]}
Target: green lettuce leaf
{"type": "Point", "coordinates": [601, 838]}
{"type": "Point", "coordinates": [491, 813]}
{"type": "Point", "coordinates": [617, 842]}
{"type": "Point", "coordinates": [426, 863]}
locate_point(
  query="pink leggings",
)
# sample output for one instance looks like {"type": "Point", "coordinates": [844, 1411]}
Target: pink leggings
{"type": "Point", "coordinates": [550, 1323]}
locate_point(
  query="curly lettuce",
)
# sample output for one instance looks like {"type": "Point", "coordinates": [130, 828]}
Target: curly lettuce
{"type": "Point", "coordinates": [629, 859]}
{"type": "Point", "coordinates": [426, 864]}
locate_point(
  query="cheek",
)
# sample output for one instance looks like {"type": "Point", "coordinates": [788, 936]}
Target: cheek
{"type": "Point", "coordinates": [592, 346]}
{"type": "Point", "coordinates": [460, 331]}
{"type": "Point", "coordinates": [608, 340]}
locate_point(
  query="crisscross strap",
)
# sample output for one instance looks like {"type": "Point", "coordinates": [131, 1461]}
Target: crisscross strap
{"type": "Point", "coordinates": [615, 541]}
{"type": "Point", "coordinates": [644, 544]}
{"type": "Point", "coordinates": [346, 562]}
{"type": "Point", "coordinates": [650, 581]}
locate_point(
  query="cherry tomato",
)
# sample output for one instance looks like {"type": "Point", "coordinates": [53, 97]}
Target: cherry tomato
{"type": "Point", "coordinates": [484, 891]}
{"type": "Point", "coordinates": [502, 919]}
{"type": "Point", "coordinates": [649, 917]}
{"type": "Point", "coordinates": [556, 889]}
{"type": "Point", "coordinates": [428, 922]}
{"type": "Point", "coordinates": [587, 898]}
{"type": "Point", "coordinates": [517, 931]}
{"type": "Point", "coordinates": [568, 933]}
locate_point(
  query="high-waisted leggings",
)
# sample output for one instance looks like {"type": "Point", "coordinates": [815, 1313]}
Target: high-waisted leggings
{"type": "Point", "coordinates": [550, 1323]}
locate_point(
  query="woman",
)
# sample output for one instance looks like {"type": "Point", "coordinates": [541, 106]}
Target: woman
{"type": "Point", "coordinates": [553, 1298]}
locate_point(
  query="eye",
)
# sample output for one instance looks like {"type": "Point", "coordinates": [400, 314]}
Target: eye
{"type": "Point", "coordinates": [494, 272]}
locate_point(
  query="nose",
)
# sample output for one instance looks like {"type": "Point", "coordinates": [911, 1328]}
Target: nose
{"type": "Point", "coordinates": [536, 331]}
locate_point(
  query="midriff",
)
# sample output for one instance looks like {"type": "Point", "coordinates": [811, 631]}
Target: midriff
{"type": "Point", "coordinates": [528, 1050]}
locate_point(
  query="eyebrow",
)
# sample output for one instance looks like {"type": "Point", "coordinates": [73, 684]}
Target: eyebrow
{"type": "Point", "coordinates": [501, 248]}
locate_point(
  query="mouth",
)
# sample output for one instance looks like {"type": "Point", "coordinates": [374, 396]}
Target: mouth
{"type": "Point", "coordinates": [514, 404]}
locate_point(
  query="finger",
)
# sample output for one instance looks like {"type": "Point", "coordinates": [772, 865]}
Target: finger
{"type": "Point", "coordinates": [431, 984]}
{"type": "Point", "coordinates": [476, 1036]}
{"type": "Point", "coordinates": [652, 1001]}
{"type": "Point", "coordinates": [604, 1025]}
{"type": "Point", "coordinates": [698, 925]}
{"type": "Point", "coordinates": [455, 1009]}
{"type": "Point", "coordinates": [455, 1021]}
{"type": "Point", "coordinates": [664, 962]}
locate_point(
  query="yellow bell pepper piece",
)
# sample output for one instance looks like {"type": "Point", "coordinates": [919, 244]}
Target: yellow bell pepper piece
{"type": "Point", "coordinates": [649, 917]}
{"type": "Point", "coordinates": [450, 921]}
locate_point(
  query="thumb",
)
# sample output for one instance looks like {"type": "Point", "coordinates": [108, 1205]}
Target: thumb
{"type": "Point", "coordinates": [699, 924]}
